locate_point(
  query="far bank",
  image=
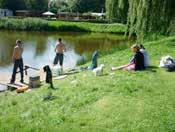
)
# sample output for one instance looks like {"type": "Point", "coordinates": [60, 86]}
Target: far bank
{"type": "Point", "coordinates": [37, 24]}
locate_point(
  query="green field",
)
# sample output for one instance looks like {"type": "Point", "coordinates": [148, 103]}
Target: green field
{"type": "Point", "coordinates": [120, 101]}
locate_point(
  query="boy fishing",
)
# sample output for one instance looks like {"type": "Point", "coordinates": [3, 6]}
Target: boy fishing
{"type": "Point", "coordinates": [59, 49]}
{"type": "Point", "coordinates": [18, 61]}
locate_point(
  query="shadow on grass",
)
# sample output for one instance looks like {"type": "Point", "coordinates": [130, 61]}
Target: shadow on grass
{"type": "Point", "coordinates": [49, 98]}
{"type": "Point", "coordinates": [106, 74]}
{"type": "Point", "coordinates": [152, 68]}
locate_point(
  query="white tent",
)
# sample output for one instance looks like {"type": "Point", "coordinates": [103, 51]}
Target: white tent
{"type": "Point", "coordinates": [98, 14]}
{"type": "Point", "coordinates": [48, 13]}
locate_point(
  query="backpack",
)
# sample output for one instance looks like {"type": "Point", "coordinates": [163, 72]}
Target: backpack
{"type": "Point", "coordinates": [170, 68]}
{"type": "Point", "coordinates": [167, 61]}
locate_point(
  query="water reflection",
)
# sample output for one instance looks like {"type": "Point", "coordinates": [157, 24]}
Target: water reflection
{"type": "Point", "coordinates": [39, 46]}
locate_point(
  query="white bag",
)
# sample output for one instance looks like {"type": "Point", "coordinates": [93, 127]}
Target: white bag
{"type": "Point", "coordinates": [166, 60]}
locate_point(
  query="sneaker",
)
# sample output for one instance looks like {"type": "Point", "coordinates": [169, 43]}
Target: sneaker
{"type": "Point", "coordinates": [113, 69]}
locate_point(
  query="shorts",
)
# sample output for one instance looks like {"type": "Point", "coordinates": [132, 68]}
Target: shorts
{"type": "Point", "coordinates": [129, 67]}
{"type": "Point", "coordinates": [58, 57]}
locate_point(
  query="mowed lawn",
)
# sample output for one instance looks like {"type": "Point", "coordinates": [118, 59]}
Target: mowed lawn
{"type": "Point", "coordinates": [116, 102]}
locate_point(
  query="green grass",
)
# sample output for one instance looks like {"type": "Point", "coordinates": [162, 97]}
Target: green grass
{"type": "Point", "coordinates": [120, 101]}
{"type": "Point", "coordinates": [36, 24]}
{"type": "Point", "coordinates": [26, 24]}
{"type": "Point", "coordinates": [88, 27]}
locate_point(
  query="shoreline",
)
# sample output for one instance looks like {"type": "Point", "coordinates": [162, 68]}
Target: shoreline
{"type": "Point", "coordinates": [38, 24]}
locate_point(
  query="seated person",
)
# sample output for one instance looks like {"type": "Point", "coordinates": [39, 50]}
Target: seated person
{"type": "Point", "coordinates": [137, 62]}
{"type": "Point", "coordinates": [94, 61]}
{"type": "Point", "coordinates": [145, 54]}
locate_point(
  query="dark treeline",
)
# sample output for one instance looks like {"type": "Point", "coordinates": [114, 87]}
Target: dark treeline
{"type": "Point", "coordinates": [81, 6]}
{"type": "Point", "coordinates": [34, 5]}
{"type": "Point", "coordinates": [87, 5]}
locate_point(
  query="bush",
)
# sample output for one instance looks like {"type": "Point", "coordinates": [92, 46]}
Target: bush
{"type": "Point", "coordinates": [28, 24]}
{"type": "Point", "coordinates": [37, 24]}
{"type": "Point", "coordinates": [87, 27]}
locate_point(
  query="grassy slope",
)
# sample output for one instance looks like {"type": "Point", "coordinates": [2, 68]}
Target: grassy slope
{"type": "Point", "coordinates": [123, 101]}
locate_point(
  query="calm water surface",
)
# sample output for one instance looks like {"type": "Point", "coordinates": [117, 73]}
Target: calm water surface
{"type": "Point", "coordinates": [39, 46]}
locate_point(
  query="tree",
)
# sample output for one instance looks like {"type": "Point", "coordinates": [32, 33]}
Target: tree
{"type": "Point", "coordinates": [1, 3]}
{"type": "Point", "coordinates": [36, 5]}
{"type": "Point", "coordinates": [147, 17]}
{"type": "Point", "coordinates": [59, 5]}
{"type": "Point", "coordinates": [13, 4]}
{"type": "Point", "coordinates": [117, 10]}
{"type": "Point", "coordinates": [86, 5]}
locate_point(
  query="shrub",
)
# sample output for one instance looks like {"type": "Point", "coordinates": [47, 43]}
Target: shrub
{"type": "Point", "coordinates": [28, 24]}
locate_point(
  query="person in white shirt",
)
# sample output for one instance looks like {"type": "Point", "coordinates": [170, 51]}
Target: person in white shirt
{"type": "Point", "coordinates": [146, 56]}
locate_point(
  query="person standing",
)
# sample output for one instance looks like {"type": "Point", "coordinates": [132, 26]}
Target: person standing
{"type": "Point", "coordinates": [18, 61]}
{"type": "Point", "coordinates": [59, 49]}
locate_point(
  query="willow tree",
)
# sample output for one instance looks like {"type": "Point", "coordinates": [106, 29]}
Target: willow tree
{"type": "Point", "coordinates": [84, 6]}
{"type": "Point", "coordinates": [117, 10]}
{"type": "Point", "coordinates": [148, 17]}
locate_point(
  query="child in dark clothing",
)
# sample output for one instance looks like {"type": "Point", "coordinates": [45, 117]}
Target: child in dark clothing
{"type": "Point", "coordinates": [48, 75]}
{"type": "Point", "coordinates": [138, 61]}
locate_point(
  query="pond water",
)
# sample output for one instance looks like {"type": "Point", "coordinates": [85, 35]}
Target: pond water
{"type": "Point", "coordinates": [39, 47]}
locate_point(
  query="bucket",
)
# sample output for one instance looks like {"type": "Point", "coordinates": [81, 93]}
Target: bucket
{"type": "Point", "coordinates": [34, 81]}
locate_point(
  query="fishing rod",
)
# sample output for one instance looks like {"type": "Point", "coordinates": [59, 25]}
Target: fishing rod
{"type": "Point", "coordinates": [28, 67]}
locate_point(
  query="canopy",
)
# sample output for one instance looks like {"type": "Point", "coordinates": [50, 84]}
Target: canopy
{"type": "Point", "coordinates": [48, 13]}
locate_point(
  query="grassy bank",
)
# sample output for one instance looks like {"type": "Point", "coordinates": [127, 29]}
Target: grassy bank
{"type": "Point", "coordinates": [35, 24]}
{"type": "Point", "coordinates": [88, 27]}
{"type": "Point", "coordinates": [119, 101]}
{"type": "Point", "coordinates": [27, 24]}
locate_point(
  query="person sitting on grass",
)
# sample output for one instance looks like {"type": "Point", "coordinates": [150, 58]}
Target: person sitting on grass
{"type": "Point", "coordinates": [137, 62]}
{"type": "Point", "coordinates": [146, 56]}
{"type": "Point", "coordinates": [94, 61]}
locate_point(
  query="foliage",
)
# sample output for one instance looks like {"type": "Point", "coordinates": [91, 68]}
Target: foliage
{"type": "Point", "coordinates": [13, 4]}
{"type": "Point", "coordinates": [36, 5]}
{"type": "Point", "coordinates": [86, 5]}
{"type": "Point", "coordinates": [28, 24]}
{"type": "Point", "coordinates": [144, 17]}
{"type": "Point", "coordinates": [117, 10]}
{"type": "Point", "coordinates": [119, 101]}
{"type": "Point", "coordinates": [59, 6]}
{"type": "Point", "coordinates": [147, 17]}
